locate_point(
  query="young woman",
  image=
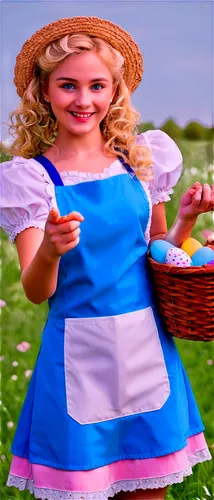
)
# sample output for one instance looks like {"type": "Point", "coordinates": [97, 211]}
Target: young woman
{"type": "Point", "coordinates": [109, 409]}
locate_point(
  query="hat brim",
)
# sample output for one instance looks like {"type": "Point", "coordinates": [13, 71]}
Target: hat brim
{"type": "Point", "coordinates": [101, 28]}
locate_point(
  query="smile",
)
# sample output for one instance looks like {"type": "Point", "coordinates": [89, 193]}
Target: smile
{"type": "Point", "coordinates": [81, 115]}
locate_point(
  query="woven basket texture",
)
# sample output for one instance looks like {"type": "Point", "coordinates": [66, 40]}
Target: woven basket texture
{"type": "Point", "coordinates": [185, 297]}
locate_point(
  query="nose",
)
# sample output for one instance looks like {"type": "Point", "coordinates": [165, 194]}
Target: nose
{"type": "Point", "coordinates": [83, 99]}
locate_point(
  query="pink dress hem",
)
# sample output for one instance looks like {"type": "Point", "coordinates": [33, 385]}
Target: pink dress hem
{"type": "Point", "coordinates": [147, 473]}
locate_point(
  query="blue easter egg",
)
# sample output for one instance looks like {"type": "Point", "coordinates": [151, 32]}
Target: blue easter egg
{"type": "Point", "coordinates": [202, 256]}
{"type": "Point", "coordinates": [159, 249]}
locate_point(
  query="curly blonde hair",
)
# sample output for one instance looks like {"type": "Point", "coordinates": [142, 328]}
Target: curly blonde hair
{"type": "Point", "coordinates": [35, 126]}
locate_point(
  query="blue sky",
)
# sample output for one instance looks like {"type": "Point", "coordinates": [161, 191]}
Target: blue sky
{"type": "Point", "coordinates": [175, 38]}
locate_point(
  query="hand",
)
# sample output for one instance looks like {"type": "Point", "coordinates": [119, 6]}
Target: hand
{"type": "Point", "coordinates": [61, 233]}
{"type": "Point", "coordinates": [197, 200]}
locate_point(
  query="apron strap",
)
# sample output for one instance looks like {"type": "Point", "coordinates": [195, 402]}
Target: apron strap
{"type": "Point", "coordinates": [56, 178]}
{"type": "Point", "coordinates": [50, 169]}
{"type": "Point", "coordinates": [127, 167]}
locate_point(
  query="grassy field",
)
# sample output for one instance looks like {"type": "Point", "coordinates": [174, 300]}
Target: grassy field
{"type": "Point", "coordinates": [23, 321]}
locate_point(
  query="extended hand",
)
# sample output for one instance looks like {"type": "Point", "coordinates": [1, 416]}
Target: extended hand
{"type": "Point", "coordinates": [61, 233]}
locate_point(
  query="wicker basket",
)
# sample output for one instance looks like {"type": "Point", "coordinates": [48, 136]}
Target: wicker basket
{"type": "Point", "coordinates": [185, 297]}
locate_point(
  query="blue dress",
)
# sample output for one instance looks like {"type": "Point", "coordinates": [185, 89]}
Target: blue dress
{"type": "Point", "coordinates": [108, 383]}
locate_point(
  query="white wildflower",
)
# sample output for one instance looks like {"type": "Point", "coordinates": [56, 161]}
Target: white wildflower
{"type": "Point", "coordinates": [10, 425]}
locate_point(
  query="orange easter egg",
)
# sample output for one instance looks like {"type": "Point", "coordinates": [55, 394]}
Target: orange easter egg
{"type": "Point", "coordinates": [190, 246]}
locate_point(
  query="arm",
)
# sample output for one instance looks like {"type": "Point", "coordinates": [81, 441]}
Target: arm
{"type": "Point", "coordinates": [39, 253]}
{"type": "Point", "coordinates": [38, 273]}
{"type": "Point", "coordinates": [179, 232]}
{"type": "Point", "coordinates": [195, 201]}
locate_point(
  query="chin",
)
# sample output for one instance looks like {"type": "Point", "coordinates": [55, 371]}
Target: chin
{"type": "Point", "coordinates": [84, 129]}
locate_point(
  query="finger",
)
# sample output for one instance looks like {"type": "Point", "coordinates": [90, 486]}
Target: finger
{"type": "Point", "coordinates": [206, 197]}
{"type": "Point", "coordinates": [196, 199]}
{"type": "Point", "coordinates": [196, 185]}
{"type": "Point", "coordinates": [192, 190]}
{"type": "Point", "coordinates": [69, 237]}
{"type": "Point", "coordinates": [188, 196]}
{"type": "Point", "coordinates": [72, 216]}
{"type": "Point", "coordinates": [69, 227]}
{"type": "Point", "coordinates": [53, 216]}
{"type": "Point", "coordinates": [73, 244]}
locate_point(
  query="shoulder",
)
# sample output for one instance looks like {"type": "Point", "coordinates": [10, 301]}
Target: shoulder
{"type": "Point", "coordinates": [160, 143]}
{"type": "Point", "coordinates": [27, 195]}
{"type": "Point", "coordinates": [22, 169]}
{"type": "Point", "coordinates": [167, 161]}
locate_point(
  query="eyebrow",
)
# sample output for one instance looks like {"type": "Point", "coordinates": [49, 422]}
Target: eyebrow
{"type": "Point", "coordinates": [76, 81]}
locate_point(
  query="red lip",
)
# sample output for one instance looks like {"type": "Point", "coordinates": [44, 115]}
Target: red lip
{"type": "Point", "coordinates": [81, 119]}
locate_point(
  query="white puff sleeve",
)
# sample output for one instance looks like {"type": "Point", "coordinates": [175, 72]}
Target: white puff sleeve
{"type": "Point", "coordinates": [167, 161]}
{"type": "Point", "coordinates": [27, 195]}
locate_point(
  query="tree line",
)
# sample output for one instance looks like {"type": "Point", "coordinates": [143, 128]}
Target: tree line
{"type": "Point", "coordinates": [193, 131]}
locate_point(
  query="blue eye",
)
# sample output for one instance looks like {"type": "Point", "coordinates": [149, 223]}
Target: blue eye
{"type": "Point", "coordinates": [66, 84]}
{"type": "Point", "coordinates": [97, 85]}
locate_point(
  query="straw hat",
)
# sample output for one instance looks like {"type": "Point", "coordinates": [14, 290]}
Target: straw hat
{"type": "Point", "coordinates": [112, 33]}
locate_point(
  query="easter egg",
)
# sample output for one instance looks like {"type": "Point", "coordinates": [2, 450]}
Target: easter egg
{"type": "Point", "coordinates": [202, 256]}
{"type": "Point", "coordinates": [177, 257]}
{"type": "Point", "coordinates": [190, 246]}
{"type": "Point", "coordinates": [211, 263]}
{"type": "Point", "coordinates": [158, 250]}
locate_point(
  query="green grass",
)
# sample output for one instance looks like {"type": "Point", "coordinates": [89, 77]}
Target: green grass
{"type": "Point", "coordinates": [21, 320]}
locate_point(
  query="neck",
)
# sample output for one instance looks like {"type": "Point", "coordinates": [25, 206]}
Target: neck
{"type": "Point", "coordinates": [71, 145]}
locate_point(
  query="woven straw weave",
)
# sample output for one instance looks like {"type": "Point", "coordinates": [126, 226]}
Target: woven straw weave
{"type": "Point", "coordinates": [101, 28]}
{"type": "Point", "coordinates": [185, 297]}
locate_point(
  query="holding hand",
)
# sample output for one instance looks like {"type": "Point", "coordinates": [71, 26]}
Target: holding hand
{"type": "Point", "coordinates": [197, 200]}
{"type": "Point", "coordinates": [61, 233]}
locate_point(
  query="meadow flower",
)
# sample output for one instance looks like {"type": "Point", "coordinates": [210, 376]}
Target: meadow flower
{"type": "Point", "coordinates": [210, 168]}
{"type": "Point", "coordinates": [28, 373]}
{"type": "Point", "coordinates": [2, 358]}
{"type": "Point", "coordinates": [3, 458]}
{"type": "Point", "coordinates": [15, 363]}
{"type": "Point", "coordinates": [210, 362]}
{"type": "Point", "coordinates": [23, 346]}
{"type": "Point", "coordinates": [208, 234]}
{"type": "Point", "coordinates": [10, 425]}
{"type": "Point", "coordinates": [2, 303]}
{"type": "Point", "coordinates": [14, 377]}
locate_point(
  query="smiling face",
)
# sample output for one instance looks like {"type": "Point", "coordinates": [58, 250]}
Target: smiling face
{"type": "Point", "coordinates": [79, 91]}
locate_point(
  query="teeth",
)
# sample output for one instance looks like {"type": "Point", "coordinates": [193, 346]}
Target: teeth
{"type": "Point", "coordinates": [81, 115]}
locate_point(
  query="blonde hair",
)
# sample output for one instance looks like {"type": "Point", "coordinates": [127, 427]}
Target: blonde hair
{"type": "Point", "coordinates": [35, 126]}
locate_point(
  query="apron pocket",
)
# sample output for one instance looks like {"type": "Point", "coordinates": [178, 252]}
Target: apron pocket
{"type": "Point", "coordinates": [114, 366]}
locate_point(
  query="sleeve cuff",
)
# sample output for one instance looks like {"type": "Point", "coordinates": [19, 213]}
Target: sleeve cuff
{"type": "Point", "coordinates": [161, 196]}
{"type": "Point", "coordinates": [26, 225]}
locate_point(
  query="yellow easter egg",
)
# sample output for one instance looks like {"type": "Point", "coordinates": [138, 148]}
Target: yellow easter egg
{"type": "Point", "coordinates": [190, 246]}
